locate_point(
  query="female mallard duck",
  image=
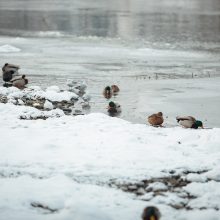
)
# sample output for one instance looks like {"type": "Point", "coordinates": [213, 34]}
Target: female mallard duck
{"type": "Point", "coordinates": [115, 88]}
{"type": "Point", "coordinates": [114, 108]}
{"type": "Point", "coordinates": [19, 82]}
{"type": "Point", "coordinates": [156, 119]}
{"type": "Point", "coordinates": [189, 122]}
{"type": "Point", "coordinates": [107, 92]}
{"type": "Point", "coordinates": [151, 213]}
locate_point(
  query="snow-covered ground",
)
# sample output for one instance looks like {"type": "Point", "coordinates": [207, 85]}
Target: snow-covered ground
{"type": "Point", "coordinates": [164, 56]}
{"type": "Point", "coordinates": [66, 164]}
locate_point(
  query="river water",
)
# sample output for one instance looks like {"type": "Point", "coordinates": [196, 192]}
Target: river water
{"type": "Point", "coordinates": [163, 54]}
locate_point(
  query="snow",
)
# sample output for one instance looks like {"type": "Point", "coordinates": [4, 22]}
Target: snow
{"type": "Point", "coordinates": [65, 157]}
{"type": "Point", "coordinates": [48, 105]}
{"type": "Point", "coordinates": [52, 93]}
{"type": "Point", "coordinates": [8, 49]}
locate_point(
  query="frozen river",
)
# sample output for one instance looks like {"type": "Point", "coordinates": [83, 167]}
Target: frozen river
{"type": "Point", "coordinates": [164, 55]}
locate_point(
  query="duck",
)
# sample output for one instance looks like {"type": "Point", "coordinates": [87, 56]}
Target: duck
{"type": "Point", "coordinates": [107, 92]}
{"type": "Point", "coordinates": [114, 108]}
{"type": "Point", "coordinates": [9, 67]}
{"type": "Point", "coordinates": [19, 82]}
{"type": "Point", "coordinates": [189, 122]}
{"type": "Point", "coordinates": [115, 88]}
{"type": "Point", "coordinates": [151, 213]}
{"type": "Point", "coordinates": [156, 119]}
{"type": "Point", "coordinates": [9, 71]}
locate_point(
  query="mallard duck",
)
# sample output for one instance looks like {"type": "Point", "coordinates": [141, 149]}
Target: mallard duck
{"type": "Point", "coordinates": [19, 82]}
{"type": "Point", "coordinates": [156, 119]}
{"type": "Point", "coordinates": [9, 67]}
{"type": "Point", "coordinates": [151, 213]}
{"type": "Point", "coordinates": [114, 108]}
{"type": "Point", "coordinates": [9, 71]}
{"type": "Point", "coordinates": [115, 88]}
{"type": "Point", "coordinates": [189, 122]}
{"type": "Point", "coordinates": [107, 92]}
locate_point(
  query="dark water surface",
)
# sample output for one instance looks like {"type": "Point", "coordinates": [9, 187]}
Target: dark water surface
{"type": "Point", "coordinates": [177, 22]}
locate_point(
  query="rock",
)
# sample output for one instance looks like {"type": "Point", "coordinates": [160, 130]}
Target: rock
{"type": "Point", "coordinates": [140, 184]}
{"type": "Point", "coordinates": [67, 110]}
{"type": "Point", "coordinates": [20, 102]}
{"type": "Point", "coordinates": [132, 187]}
{"type": "Point", "coordinates": [140, 191]}
{"type": "Point", "coordinates": [124, 188]}
{"type": "Point", "coordinates": [48, 105]}
{"type": "Point", "coordinates": [37, 105]}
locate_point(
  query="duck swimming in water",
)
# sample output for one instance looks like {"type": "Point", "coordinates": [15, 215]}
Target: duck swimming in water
{"type": "Point", "coordinates": [107, 92]}
{"type": "Point", "coordinates": [115, 88]}
{"type": "Point", "coordinates": [114, 108]}
{"type": "Point", "coordinates": [156, 119]}
{"type": "Point", "coordinates": [110, 90]}
{"type": "Point", "coordinates": [151, 213]}
{"type": "Point", "coordinates": [189, 122]}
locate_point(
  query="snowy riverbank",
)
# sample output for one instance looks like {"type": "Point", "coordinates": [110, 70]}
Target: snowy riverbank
{"type": "Point", "coordinates": [79, 165]}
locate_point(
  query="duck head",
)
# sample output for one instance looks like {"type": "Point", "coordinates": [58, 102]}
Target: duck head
{"type": "Point", "coordinates": [151, 213]}
{"type": "Point", "coordinates": [160, 114]}
{"type": "Point", "coordinates": [111, 105]}
{"type": "Point", "coordinates": [108, 89]}
{"type": "Point", "coordinates": [197, 124]}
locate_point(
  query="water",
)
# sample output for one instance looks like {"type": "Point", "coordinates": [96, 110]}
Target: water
{"type": "Point", "coordinates": [145, 47]}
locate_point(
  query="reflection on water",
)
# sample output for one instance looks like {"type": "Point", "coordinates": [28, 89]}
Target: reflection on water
{"type": "Point", "coordinates": [155, 21]}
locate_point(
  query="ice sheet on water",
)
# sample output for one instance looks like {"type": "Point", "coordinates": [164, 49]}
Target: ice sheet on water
{"type": "Point", "coordinates": [8, 49]}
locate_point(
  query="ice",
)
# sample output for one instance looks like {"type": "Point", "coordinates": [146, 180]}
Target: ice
{"type": "Point", "coordinates": [8, 49]}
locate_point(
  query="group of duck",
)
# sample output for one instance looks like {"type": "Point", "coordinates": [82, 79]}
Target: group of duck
{"type": "Point", "coordinates": [11, 76]}
{"type": "Point", "coordinates": [113, 107]}
{"type": "Point", "coordinates": [155, 120]}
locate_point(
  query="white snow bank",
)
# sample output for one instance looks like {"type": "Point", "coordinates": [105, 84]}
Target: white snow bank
{"type": "Point", "coordinates": [93, 149]}
{"type": "Point", "coordinates": [52, 93]}
{"type": "Point", "coordinates": [8, 49]}
{"type": "Point", "coordinates": [26, 112]}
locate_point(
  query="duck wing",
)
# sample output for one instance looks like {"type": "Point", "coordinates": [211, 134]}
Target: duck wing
{"type": "Point", "coordinates": [185, 118]}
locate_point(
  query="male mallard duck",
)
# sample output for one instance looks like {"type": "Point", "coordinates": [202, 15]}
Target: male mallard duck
{"type": "Point", "coordinates": [189, 122]}
{"type": "Point", "coordinates": [107, 92]}
{"type": "Point", "coordinates": [151, 213]}
{"type": "Point", "coordinates": [115, 88]}
{"type": "Point", "coordinates": [9, 71]}
{"type": "Point", "coordinates": [19, 82]}
{"type": "Point", "coordinates": [156, 119]}
{"type": "Point", "coordinates": [114, 108]}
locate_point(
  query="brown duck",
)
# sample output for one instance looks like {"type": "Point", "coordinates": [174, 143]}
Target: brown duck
{"type": "Point", "coordinates": [19, 82]}
{"type": "Point", "coordinates": [115, 88]}
{"type": "Point", "coordinates": [156, 119]}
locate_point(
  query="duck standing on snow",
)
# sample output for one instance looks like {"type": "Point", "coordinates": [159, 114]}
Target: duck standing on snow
{"type": "Point", "coordinates": [114, 108]}
{"type": "Point", "coordinates": [19, 82]}
{"type": "Point", "coordinates": [107, 92]}
{"type": "Point", "coordinates": [151, 213]}
{"type": "Point", "coordinates": [189, 122]}
{"type": "Point", "coordinates": [156, 119]}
